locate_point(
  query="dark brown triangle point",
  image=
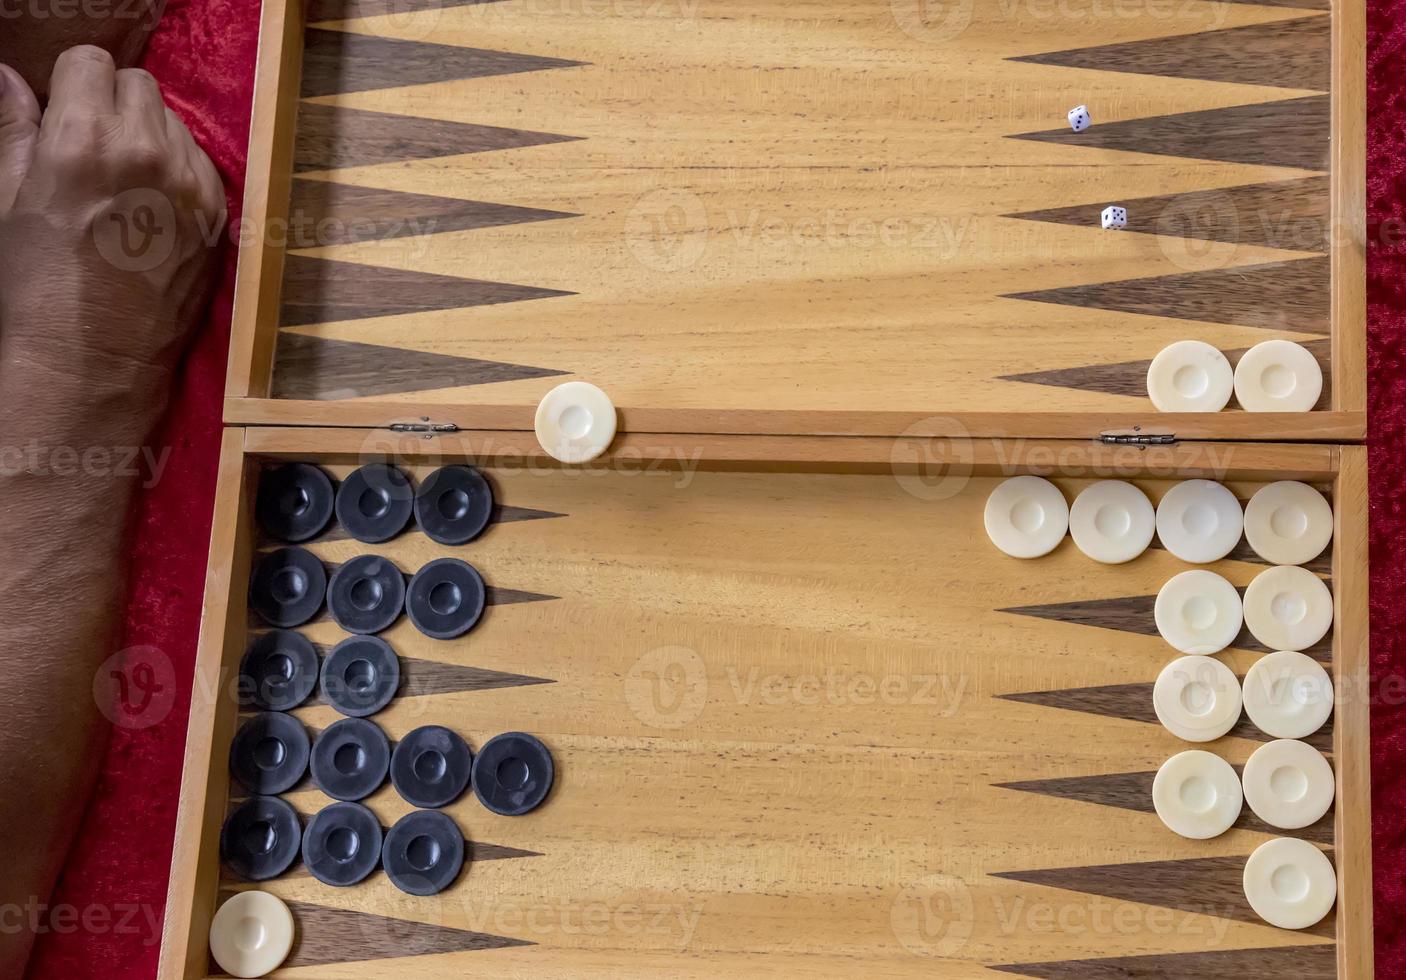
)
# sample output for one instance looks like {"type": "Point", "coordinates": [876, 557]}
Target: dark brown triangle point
{"type": "Point", "coordinates": [318, 369]}
{"type": "Point", "coordinates": [1285, 54]}
{"type": "Point", "coordinates": [332, 137]}
{"type": "Point", "coordinates": [1289, 133]}
{"type": "Point", "coordinates": [338, 62]}
{"type": "Point", "coordinates": [324, 212]}
{"type": "Point", "coordinates": [1318, 962]}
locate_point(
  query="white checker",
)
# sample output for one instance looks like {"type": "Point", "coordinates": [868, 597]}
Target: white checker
{"type": "Point", "coordinates": [1199, 521]}
{"type": "Point", "coordinates": [1190, 376]}
{"type": "Point", "coordinates": [1290, 883]}
{"type": "Point", "coordinates": [1197, 794]}
{"type": "Point", "coordinates": [1112, 521]}
{"type": "Point", "coordinates": [1288, 695]}
{"type": "Point", "coordinates": [1026, 517]}
{"type": "Point", "coordinates": [1288, 608]}
{"type": "Point", "coordinates": [575, 422]}
{"type": "Point", "coordinates": [1288, 784]}
{"type": "Point", "coordinates": [1197, 698]}
{"type": "Point", "coordinates": [1278, 376]}
{"type": "Point", "coordinates": [251, 934]}
{"type": "Point", "coordinates": [1198, 612]}
{"type": "Point", "coordinates": [1288, 523]}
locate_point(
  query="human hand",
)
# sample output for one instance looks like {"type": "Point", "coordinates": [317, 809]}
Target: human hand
{"type": "Point", "coordinates": [109, 213]}
{"type": "Point", "coordinates": [35, 32]}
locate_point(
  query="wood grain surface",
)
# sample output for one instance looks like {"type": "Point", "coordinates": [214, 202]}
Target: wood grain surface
{"type": "Point", "coordinates": [787, 714]}
{"type": "Point", "coordinates": [771, 206]}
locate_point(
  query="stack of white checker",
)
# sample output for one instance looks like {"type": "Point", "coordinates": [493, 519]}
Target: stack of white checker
{"type": "Point", "coordinates": [1287, 783]}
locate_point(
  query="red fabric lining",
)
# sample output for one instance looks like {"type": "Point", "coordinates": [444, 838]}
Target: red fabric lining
{"type": "Point", "coordinates": [203, 54]}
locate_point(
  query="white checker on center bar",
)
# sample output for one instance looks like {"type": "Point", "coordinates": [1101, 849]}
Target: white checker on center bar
{"type": "Point", "coordinates": [1288, 784]}
{"type": "Point", "coordinates": [1197, 795]}
{"type": "Point", "coordinates": [1199, 521]}
{"type": "Point", "coordinates": [1026, 517]}
{"type": "Point", "coordinates": [1288, 608]}
{"type": "Point", "coordinates": [1290, 883]}
{"type": "Point", "coordinates": [1198, 612]}
{"type": "Point", "coordinates": [1278, 376]}
{"type": "Point", "coordinates": [1112, 522]}
{"type": "Point", "coordinates": [251, 934]}
{"type": "Point", "coordinates": [1190, 376]}
{"type": "Point", "coordinates": [575, 422]}
{"type": "Point", "coordinates": [1288, 523]}
{"type": "Point", "coordinates": [1197, 698]}
{"type": "Point", "coordinates": [1288, 695]}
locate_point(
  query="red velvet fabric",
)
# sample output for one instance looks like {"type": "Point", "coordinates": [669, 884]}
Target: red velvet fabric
{"type": "Point", "coordinates": [204, 53]}
{"type": "Point", "coordinates": [1386, 371]}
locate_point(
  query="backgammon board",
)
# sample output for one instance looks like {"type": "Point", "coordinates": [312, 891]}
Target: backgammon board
{"type": "Point", "coordinates": [770, 216]}
{"type": "Point", "coordinates": [807, 721]}
{"type": "Point", "coordinates": [839, 266]}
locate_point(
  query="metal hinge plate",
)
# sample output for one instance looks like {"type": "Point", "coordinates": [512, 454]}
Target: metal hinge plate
{"type": "Point", "coordinates": [425, 426]}
{"type": "Point", "coordinates": [1137, 439]}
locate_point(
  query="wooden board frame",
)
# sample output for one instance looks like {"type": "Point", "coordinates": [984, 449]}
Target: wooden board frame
{"type": "Point", "coordinates": [196, 866]}
{"type": "Point", "coordinates": [256, 306]}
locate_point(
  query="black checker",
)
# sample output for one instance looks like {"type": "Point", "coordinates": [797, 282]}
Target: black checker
{"type": "Point", "coordinates": [350, 759]}
{"type": "Point", "coordinates": [360, 676]}
{"type": "Point", "coordinates": [430, 767]}
{"type": "Point", "coordinates": [423, 853]}
{"type": "Point", "coordinates": [288, 587]}
{"type": "Point", "coordinates": [279, 671]}
{"type": "Point", "coordinates": [513, 773]}
{"type": "Point", "coordinates": [294, 502]}
{"type": "Point", "coordinates": [445, 598]}
{"type": "Point", "coordinates": [366, 594]}
{"type": "Point", "coordinates": [374, 503]}
{"type": "Point", "coordinates": [260, 839]}
{"type": "Point", "coordinates": [454, 504]}
{"type": "Point", "coordinates": [342, 844]}
{"type": "Point", "coordinates": [269, 753]}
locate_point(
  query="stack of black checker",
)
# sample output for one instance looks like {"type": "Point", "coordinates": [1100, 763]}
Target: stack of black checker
{"type": "Point", "coordinates": [432, 766]}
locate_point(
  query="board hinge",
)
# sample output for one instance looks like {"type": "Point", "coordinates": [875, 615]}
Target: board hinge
{"type": "Point", "coordinates": [424, 426]}
{"type": "Point", "coordinates": [1136, 438]}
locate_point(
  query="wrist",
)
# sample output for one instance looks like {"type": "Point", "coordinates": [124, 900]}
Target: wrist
{"type": "Point", "coordinates": [68, 394]}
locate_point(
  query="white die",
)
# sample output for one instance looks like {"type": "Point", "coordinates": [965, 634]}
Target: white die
{"type": "Point", "coordinates": [1079, 118]}
{"type": "Point", "coordinates": [1115, 217]}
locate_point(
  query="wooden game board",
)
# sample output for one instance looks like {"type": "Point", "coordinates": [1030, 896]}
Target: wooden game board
{"type": "Point", "coordinates": [838, 264]}
{"type": "Point", "coordinates": [807, 722]}
{"type": "Point", "coordinates": [797, 217]}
